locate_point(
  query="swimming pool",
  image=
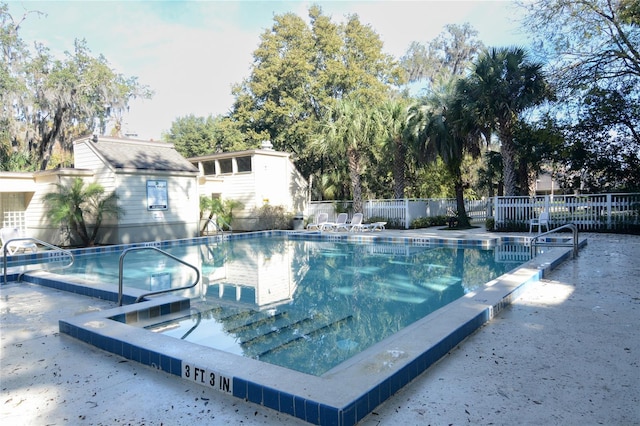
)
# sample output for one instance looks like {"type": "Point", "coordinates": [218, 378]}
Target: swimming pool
{"type": "Point", "coordinates": [303, 304]}
{"type": "Point", "coordinates": [310, 305]}
{"type": "Point", "coordinates": [345, 393]}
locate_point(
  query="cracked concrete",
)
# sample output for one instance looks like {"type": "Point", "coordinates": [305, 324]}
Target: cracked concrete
{"type": "Point", "coordinates": [567, 352]}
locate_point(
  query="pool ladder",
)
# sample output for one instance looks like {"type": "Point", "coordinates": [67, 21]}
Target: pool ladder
{"type": "Point", "coordinates": [574, 244]}
{"type": "Point", "coordinates": [152, 293]}
{"type": "Point", "coordinates": [218, 228]}
{"type": "Point", "coordinates": [50, 254]}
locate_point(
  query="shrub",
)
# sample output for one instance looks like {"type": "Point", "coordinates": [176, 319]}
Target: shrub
{"type": "Point", "coordinates": [426, 222]}
{"type": "Point", "coordinates": [391, 223]}
{"type": "Point", "coordinates": [82, 208]}
{"type": "Point", "coordinates": [273, 217]}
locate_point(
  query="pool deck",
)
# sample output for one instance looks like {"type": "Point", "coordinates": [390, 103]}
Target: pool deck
{"type": "Point", "coordinates": [567, 352]}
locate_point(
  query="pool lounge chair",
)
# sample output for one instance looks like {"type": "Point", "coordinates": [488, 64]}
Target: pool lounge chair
{"type": "Point", "coordinates": [339, 224]}
{"type": "Point", "coordinates": [319, 223]}
{"type": "Point", "coordinates": [8, 234]}
{"type": "Point", "coordinates": [542, 220]}
{"type": "Point", "coordinates": [356, 223]}
{"type": "Point", "coordinates": [375, 226]}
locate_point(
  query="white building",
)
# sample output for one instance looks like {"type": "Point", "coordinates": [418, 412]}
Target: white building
{"type": "Point", "coordinates": [158, 189]}
{"type": "Point", "coordinates": [254, 178]}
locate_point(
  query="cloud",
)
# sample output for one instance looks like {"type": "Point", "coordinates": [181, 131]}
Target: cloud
{"type": "Point", "coordinates": [191, 53]}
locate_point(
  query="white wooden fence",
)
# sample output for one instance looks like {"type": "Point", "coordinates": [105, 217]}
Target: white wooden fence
{"type": "Point", "coordinates": [588, 212]}
{"type": "Point", "coordinates": [400, 211]}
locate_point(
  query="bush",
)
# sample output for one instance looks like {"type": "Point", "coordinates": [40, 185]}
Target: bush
{"type": "Point", "coordinates": [513, 226]}
{"type": "Point", "coordinates": [490, 223]}
{"type": "Point", "coordinates": [273, 217]}
{"type": "Point", "coordinates": [421, 222]}
{"type": "Point", "coordinates": [391, 223]}
{"type": "Point", "coordinates": [426, 222]}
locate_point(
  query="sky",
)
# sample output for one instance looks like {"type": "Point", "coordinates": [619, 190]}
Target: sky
{"type": "Point", "coordinates": [191, 53]}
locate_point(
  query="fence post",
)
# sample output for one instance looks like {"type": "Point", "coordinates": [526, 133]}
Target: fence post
{"type": "Point", "coordinates": [406, 213]}
{"type": "Point", "coordinates": [547, 204]}
{"type": "Point", "coordinates": [609, 211]}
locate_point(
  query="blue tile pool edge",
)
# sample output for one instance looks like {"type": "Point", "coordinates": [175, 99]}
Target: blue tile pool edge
{"type": "Point", "coordinates": [344, 395]}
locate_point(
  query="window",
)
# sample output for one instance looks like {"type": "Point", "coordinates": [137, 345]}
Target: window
{"type": "Point", "coordinates": [209, 167]}
{"type": "Point", "coordinates": [225, 166]}
{"type": "Point", "coordinates": [244, 164]}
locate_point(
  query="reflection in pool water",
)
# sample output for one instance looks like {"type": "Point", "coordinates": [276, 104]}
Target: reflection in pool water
{"type": "Point", "coordinates": [309, 305]}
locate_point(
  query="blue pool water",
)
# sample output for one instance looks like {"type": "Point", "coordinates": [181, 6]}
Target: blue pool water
{"type": "Point", "coordinates": [307, 305]}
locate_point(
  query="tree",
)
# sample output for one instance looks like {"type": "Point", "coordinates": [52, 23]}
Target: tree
{"type": "Point", "coordinates": [395, 141]}
{"type": "Point", "coordinates": [222, 210]}
{"type": "Point", "coordinates": [448, 128]}
{"type": "Point", "coordinates": [539, 145]}
{"type": "Point", "coordinates": [490, 174]}
{"type": "Point", "coordinates": [51, 101]}
{"type": "Point", "coordinates": [349, 131]}
{"type": "Point", "coordinates": [602, 151]}
{"type": "Point", "coordinates": [594, 41]}
{"type": "Point", "coordinates": [196, 136]}
{"type": "Point", "coordinates": [12, 86]}
{"type": "Point", "coordinates": [300, 71]}
{"type": "Point", "coordinates": [81, 207]}
{"type": "Point", "coordinates": [593, 49]}
{"type": "Point", "coordinates": [445, 57]}
{"type": "Point", "coordinates": [503, 84]}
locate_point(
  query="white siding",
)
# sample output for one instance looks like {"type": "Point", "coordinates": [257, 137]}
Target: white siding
{"type": "Point", "coordinates": [86, 158]}
{"type": "Point", "coordinates": [271, 180]}
{"type": "Point", "coordinates": [182, 196]}
{"type": "Point", "coordinates": [241, 187]}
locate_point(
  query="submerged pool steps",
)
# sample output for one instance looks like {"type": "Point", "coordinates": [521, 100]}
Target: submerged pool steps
{"type": "Point", "coordinates": [259, 333]}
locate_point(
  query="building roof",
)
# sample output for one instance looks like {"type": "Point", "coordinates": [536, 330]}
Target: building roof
{"type": "Point", "coordinates": [265, 149]}
{"type": "Point", "coordinates": [230, 154]}
{"type": "Point", "coordinates": [140, 155]}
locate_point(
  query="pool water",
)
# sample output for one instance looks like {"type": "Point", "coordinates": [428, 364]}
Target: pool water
{"type": "Point", "coordinates": [307, 305]}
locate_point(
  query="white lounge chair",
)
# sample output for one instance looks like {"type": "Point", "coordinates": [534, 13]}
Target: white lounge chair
{"type": "Point", "coordinates": [319, 223]}
{"type": "Point", "coordinates": [542, 220]}
{"type": "Point", "coordinates": [356, 223]}
{"type": "Point", "coordinates": [340, 223]}
{"type": "Point", "coordinates": [375, 226]}
{"type": "Point", "coordinates": [8, 234]}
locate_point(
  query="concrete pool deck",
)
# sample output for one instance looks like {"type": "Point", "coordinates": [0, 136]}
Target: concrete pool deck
{"type": "Point", "coordinates": [566, 352]}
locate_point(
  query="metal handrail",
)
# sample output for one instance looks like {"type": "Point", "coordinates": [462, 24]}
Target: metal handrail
{"type": "Point", "coordinates": [571, 226]}
{"type": "Point", "coordinates": [218, 227]}
{"type": "Point", "coordinates": [151, 293]}
{"type": "Point", "coordinates": [43, 243]}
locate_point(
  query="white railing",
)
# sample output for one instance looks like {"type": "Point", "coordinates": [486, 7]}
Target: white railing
{"type": "Point", "coordinates": [399, 211]}
{"type": "Point", "coordinates": [587, 212]}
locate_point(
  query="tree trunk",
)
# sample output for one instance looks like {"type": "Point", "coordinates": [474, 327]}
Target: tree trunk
{"type": "Point", "coordinates": [354, 175]}
{"type": "Point", "coordinates": [463, 220]}
{"type": "Point", "coordinates": [509, 172]}
{"type": "Point", "coordinates": [48, 139]}
{"type": "Point", "coordinates": [81, 228]}
{"type": "Point", "coordinates": [399, 160]}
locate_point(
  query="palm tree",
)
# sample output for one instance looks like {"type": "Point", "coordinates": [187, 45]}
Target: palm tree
{"type": "Point", "coordinates": [222, 210]}
{"type": "Point", "coordinates": [395, 144]}
{"type": "Point", "coordinates": [350, 128]}
{"type": "Point", "coordinates": [81, 206]}
{"type": "Point", "coordinates": [445, 127]}
{"type": "Point", "coordinates": [502, 85]}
